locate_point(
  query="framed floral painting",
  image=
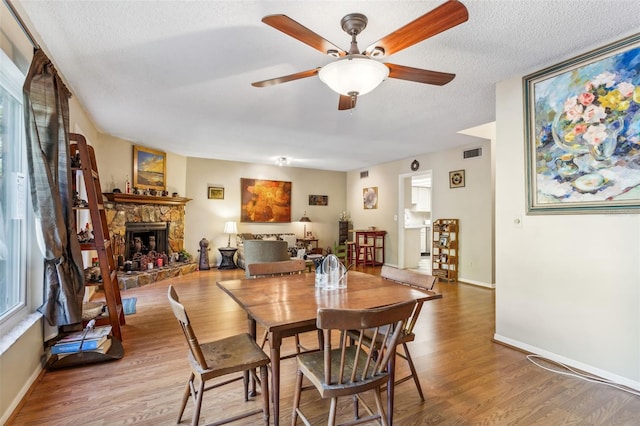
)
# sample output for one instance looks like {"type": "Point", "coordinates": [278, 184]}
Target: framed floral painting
{"type": "Point", "coordinates": [370, 198]}
{"type": "Point", "coordinates": [582, 133]}
{"type": "Point", "coordinates": [265, 201]}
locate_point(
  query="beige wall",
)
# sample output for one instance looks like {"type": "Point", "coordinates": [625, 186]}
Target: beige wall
{"type": "Point", "coordinates": [568, 286]}
{"type": "Point", "coordinates": [115, 163]}
{"type": "Point", "coordinates": [205, 218]}
{"type": "Point", "coordinates": [472, 205]}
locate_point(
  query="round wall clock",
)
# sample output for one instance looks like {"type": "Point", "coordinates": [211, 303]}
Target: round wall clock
{"type": "Point", "coordinates": [415, 165]}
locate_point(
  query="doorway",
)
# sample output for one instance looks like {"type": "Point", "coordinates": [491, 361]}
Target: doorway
{"type": "Point", "coordinates": [414, 228]}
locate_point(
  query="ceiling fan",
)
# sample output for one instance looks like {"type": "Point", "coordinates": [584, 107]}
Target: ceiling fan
{"type": "Point", "coordinates": [355, 74]}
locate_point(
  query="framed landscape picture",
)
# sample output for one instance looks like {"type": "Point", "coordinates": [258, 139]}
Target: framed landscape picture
{"type": "Point", "coordinates": [265, 201]}
{"type": "Point", "coordinates": [582, 133]}
{"type": "Point", "coordinates": [216, 193]}
{"type": "Point", "coordinates": [149, 168]}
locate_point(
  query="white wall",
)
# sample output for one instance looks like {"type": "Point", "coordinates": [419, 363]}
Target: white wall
{"type": "Point", "coordinates": [568, 286]}
{"type": "Point", "coordinates": [472, 205]}
{"type": "Point", "coordinates": [205, 218]}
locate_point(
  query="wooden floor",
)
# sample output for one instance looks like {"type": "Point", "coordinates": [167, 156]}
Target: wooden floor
{"type": "Point", "coordinates": [467, 379]}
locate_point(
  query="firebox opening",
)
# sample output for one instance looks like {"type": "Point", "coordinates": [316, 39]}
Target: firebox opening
{"type": "Point", "coordinates": [146, 237]}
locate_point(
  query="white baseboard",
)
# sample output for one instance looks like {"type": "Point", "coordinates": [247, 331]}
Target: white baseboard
{"type": "Point", "coordinates": [568, 361]}
{"type": "Point", "coordinates": [478, 283]}
{"type": "Point", "coordinates": [20, 396]}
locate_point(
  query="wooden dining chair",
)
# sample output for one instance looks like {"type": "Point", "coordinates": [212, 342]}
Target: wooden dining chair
{"type": "Point", "coordinates": [230, 355]}
{"type": "Point", "coordinates": [421, 282]}
{"type": "Point", "coordinates": [271, 269]}
{"type": "Point", "coordinates": [350, 367]}
{"type": "Point", "coordinates": [341, 253]}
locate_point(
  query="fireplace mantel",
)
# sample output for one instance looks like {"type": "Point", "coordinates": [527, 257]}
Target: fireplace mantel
{"type": "Point", "coordinates": [146, 199]}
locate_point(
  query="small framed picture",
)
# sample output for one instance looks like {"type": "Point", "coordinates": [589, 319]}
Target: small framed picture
{"type": "Point", "coordinates": [444, 241]}
{"type": "Point", "coordinates": [216, 193]}
{"type": "Point", "coordinates": [456, 179]}
{"type": "Point", "coordinates": [318, 200]}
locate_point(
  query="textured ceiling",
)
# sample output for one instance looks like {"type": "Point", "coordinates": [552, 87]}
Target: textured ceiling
{"type": "Point", "coordinates": [175, 75]}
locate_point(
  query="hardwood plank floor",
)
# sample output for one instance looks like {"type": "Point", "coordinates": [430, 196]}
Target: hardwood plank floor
{"type": "Point", "coordinates": [467, 379]}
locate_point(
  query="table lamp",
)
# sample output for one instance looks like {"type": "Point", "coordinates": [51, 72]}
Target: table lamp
{"type": "Point", "coordinates": [305, 219]}
{"type": "Point", "coordinates": [230, 228]}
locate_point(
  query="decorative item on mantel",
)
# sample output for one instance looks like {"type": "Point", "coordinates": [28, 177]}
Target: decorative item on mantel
{"type": "Point", "coordinates": [204, 255]}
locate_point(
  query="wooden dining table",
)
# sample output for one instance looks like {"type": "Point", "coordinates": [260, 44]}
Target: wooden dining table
{"type": "Point", "coordinates": [287, 305]}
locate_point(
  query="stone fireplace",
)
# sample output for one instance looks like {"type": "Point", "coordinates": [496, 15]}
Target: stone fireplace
{"type": "Point", "coordinates": [147, 214]}
{"type": "Point", "coordinates": [144, 216]}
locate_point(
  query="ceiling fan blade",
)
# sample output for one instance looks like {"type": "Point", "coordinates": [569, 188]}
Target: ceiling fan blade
{"type": "Point", "coordinates": [286, 78]}
{"type": "Point", "coordinates": [347, 102]}
{"type": "Point", "coordinates": [440, 19]}
{"type": "Point", "coordinates": [296, 30]}
{"type": "Point", "coordinates": [419, 75]}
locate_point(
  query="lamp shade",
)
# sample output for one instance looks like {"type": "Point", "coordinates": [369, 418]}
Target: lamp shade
{"type": "Point", "coordinates": [304, 218]}
{"type": "Point", "coordinates": [357, 74]}
{"type": "Point", "coordinates": [230, 228]}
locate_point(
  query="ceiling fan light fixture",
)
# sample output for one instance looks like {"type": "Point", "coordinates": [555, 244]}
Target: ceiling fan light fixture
{"type": "Point", "coordinates": [282, 161]}
{"type": "Point", "coordinates": [353, 74]}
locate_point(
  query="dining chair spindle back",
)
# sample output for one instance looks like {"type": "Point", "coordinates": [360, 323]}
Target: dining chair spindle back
{"type": "Point", "coordinates": [230, 355]}
{"type": "Point", "coordinates": [270, 269]}
{"type": "Point", "coordinates": [351, 367]}
{"type": "Point", "coordinates": [422, 282]}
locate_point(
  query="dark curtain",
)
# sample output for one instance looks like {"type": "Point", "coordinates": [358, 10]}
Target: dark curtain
{"type": "Point", "coordinates": [47, 130]}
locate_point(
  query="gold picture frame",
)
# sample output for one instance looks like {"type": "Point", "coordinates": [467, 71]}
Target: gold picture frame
{"type": "Point", "coordinates": [456, 179]}
{"type": "Point", "coordinates": [215, 193]}
{"type": "Point", "coordinates": [149, 168]}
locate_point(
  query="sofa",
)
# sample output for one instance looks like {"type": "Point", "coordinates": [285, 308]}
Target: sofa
{"type": "Point", "coordinates": [260, 251]}
{"type": "Point", "coordinates": [272, 246]}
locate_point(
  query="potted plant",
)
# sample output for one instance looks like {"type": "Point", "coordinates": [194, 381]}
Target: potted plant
{"type": "Point", "coordinates": [184, 256]}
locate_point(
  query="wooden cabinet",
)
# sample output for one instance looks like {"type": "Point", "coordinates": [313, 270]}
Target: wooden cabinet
{"type": "Point", "coordinates": [96, 239]}
{"type": "Point", "coordinates": [343, 231]}
{"type": "Point", "coordinates": [421, 198]}
{"type": "Point", "coordinates": [444, 253]}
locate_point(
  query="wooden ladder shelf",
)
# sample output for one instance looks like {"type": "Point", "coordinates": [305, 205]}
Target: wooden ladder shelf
{"type": "Point", "coordinates": [101, 242]}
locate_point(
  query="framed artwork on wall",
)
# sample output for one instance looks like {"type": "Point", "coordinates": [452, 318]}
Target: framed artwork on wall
{"type": "Point", "coordinates": [582, 133]}
{"type": "Point", "coordinates": [265, 201]}
{"type": "Point", "coordinates": [216, 193]}
{"type": "Point", "coordinates": [318, 200]}
{"type": "Point", "coordinates": [370, 198]}
{"type": "Point", "coordinates": [149, 168]}
{"type": "Point", "coordinates": [456, 179]}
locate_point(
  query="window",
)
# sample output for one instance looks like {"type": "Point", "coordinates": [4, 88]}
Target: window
{"type": "Point", "coordinates": [13, 191]}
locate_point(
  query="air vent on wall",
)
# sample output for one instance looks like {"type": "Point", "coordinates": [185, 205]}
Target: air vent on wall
{"type": "Point", "coordinates": [470, 153]}
{"type": "Point", "coordinates": [364, 174]}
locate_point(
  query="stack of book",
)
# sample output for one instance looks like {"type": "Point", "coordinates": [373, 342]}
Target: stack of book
{"type": "Point", "coordinates": [93, 340]}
